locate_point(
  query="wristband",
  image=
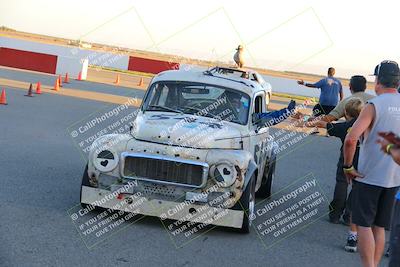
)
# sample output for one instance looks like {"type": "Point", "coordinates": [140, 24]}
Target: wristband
{"type": "Point", "coordinates": [349, 169]}
{"type": "Point", "coordinates": [389, 147]}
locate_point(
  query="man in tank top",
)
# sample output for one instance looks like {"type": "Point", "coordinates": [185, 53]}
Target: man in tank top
{"type": "Point", "coordinates": [377, 179]}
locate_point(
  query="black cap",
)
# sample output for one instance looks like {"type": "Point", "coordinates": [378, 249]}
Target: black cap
{"type": "Point", "coordinates": [388, 69]}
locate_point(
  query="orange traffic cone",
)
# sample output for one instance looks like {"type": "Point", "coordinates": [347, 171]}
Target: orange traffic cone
{"type": "Point", "coordinates": [80, 76]}
{"type": "Point", "coordinates": [59, 80]}
{"type": "Point", "coordinates": [56, 85]}
{"type": "Point", "coordinates": [140, 82]}
{"type": "Point", "coordinates": [117, 80]}
{"type": "Point", "coordinates": [29, 91]}
{"type": "Point", "coordinates": [3, 99]}
{"type": "Point", "coordinates": [66, 79]}
{"type": "Point", "coordinates": [38, 89]}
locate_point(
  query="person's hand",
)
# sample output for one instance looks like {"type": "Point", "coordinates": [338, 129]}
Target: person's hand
{"type": "Point", "coordinates": [318, 123]}
{"type": "Point", "coordinates": [352, 174]}
{"type": "Point", "coordinates": [384, 143]}
{"type": "Point", "coordinates": [292, 105]}
{"type": "Point", "coordinates": [301, 82]}
{"type": "Point", "coordinates": [390, 137]}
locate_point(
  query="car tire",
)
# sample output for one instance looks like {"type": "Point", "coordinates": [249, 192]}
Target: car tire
{"type": "Point", "coordinates": [247, 204]}
{"type": "Point", "coordinates": [265, 189]}
{"type": "Point", "coordinates": [85, 182]}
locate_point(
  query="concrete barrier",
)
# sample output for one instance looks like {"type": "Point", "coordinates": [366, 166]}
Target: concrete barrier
{"type": "Point", "coordinates": [150, 65]}
{"type": "Point", "coordinates": [28, 60]}
{"type": "Point", "coordinates": [62, 58]}
{"type": "Point", "coordinates": [72, 66]}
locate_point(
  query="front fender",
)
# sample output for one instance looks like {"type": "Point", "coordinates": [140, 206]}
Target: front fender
{"type": "Point", "coordinates": [251, 169]}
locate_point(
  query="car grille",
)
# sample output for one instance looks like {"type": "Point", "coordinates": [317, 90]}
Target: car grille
{"type": "Point", "coordinates": [162, 170]}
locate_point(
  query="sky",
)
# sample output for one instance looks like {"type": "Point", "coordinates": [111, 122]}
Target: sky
{"type": "Point", "coordinates": [297, 35]}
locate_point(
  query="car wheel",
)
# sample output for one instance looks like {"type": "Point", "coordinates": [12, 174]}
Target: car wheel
{"type": "Point", "coordinates": [266, 184]}
{"type": "Point", "coordinates": [85, 182]}
{"type": "Point", "coordinates": [247, 203]}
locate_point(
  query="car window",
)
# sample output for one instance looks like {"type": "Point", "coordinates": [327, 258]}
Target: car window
{"type": "Point", "coordinates": [199, 99]}
{"type": "Point", "coordinates": [258, 104]}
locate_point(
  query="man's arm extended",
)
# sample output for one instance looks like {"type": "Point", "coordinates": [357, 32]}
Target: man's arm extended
{"type": "Point", "coordinates": [320, 121]}
{"type": "Point", "coordinates": [362, 124]}
{"type": "Point", "coordinates": [275, 117]}
{"type": "Point", "coordinates": [311, 85]}
{"type": "Point", "coordinates": [390, 148]}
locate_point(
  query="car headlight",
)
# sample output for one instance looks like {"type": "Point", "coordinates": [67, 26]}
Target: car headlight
{"type": "Point", "coordinates": [224, 173]}
{"type": "Point", "coordinates": [105, 161]}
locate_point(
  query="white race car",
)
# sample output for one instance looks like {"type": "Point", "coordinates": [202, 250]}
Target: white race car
{"type": "Point", "coordinates": [194, 149]}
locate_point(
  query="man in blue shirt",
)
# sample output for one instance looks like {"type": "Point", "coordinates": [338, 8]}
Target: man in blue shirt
{"type": "Point", "coordinates": [331, 89]}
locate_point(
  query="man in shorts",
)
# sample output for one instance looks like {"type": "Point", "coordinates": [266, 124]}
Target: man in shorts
{"type": "Point", "coordinates": [331, 89]}
{"type": "Point", "coordinates": [378, 179]}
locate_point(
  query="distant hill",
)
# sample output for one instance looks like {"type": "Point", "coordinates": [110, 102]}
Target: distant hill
{"type": "Point", "coordinates": [6, 29]}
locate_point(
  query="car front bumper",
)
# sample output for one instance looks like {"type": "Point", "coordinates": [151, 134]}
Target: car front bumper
{"type": "Point", "coordinates": [161, 208]}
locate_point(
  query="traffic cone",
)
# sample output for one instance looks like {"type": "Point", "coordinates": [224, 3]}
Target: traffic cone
{"type": "Point", "coordinates": [56, 85]}
{"type": "Point", "coordinates": [59, 80]}
{"type": "Point", "coordinates": [80, 76]}
{"type": "Point", "coordinates": [38, 89]}
{"type": "Point", "coordinates": [29, 91]}
{"type": "Point", "coordinates": [117, 80]}
{"type": "Point", "coordinates": [3, 99]}
{"type": "Point", "coordinates": [66, 79]}
{"type": "Point", "coordinates": [140, 82]}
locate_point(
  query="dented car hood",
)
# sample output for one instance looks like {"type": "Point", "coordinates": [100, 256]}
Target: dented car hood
{"type": "Point", "coordinates": [186, 130]}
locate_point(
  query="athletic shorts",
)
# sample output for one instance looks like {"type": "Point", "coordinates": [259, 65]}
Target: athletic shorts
{"type": "Point", "coordinates": [322, 109]}
{"type": "Point", "coordinates": [372, 205]}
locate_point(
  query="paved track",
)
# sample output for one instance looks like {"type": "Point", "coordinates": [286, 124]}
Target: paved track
{"type": "Point", "coordinates": [41, 169]}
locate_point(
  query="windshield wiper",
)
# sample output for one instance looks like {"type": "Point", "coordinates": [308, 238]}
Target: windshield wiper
{"type": "Point", "coordinates": [165, 108]}
{"type": "Point", "coordinates": [201, 111]}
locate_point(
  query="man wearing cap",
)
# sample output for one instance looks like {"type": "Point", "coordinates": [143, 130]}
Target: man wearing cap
{"type": "Point", "coordinates": [378, 178]}
{"type": "Point", "coordinates": [331, 89]}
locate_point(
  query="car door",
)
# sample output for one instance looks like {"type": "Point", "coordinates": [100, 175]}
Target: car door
{"type": "Point", "coordinates": [258, 140]}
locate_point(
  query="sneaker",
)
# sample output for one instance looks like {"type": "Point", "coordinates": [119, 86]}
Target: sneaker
{"type": "Point", "coordinates": [351, 245]}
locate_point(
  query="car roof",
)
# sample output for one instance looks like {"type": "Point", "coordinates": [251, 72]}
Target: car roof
{"type": "Point", "coordinates": [211, 77]}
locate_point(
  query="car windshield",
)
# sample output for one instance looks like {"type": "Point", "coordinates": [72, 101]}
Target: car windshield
{"type": "Point", "coordinates": [198, 99]}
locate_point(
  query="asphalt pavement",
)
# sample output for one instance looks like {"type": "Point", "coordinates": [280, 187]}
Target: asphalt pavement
{"type": "Point", "coordinates": [41, 169]}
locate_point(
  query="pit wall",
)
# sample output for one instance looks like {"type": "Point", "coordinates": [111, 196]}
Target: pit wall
{"type": "Point", "coordinates": [60, 59]}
